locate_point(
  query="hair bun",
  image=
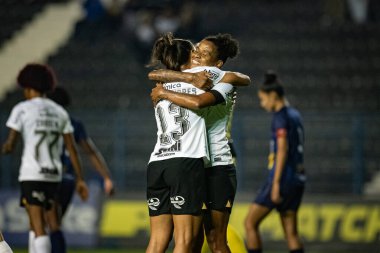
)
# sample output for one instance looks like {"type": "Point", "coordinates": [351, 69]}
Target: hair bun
{"type": "Point", "coordinates": [270, 77]}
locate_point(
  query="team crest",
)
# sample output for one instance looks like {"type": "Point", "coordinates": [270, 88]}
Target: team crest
{"type": "Point", "coordinates": [153, 203]}
{"type": "Point", "coordinates": [177, 201]}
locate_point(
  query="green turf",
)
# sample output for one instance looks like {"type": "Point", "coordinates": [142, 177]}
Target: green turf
{"type": "Point", "coordinates": [92, 251]}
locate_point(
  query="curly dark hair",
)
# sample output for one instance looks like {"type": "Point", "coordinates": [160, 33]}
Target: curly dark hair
{"type": "Point", "coordinates": [37, 76]}
{"type": "Point", "coordinates": [227, 46]}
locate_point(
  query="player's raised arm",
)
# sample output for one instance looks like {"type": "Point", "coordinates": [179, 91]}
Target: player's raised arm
{"type": "Point", "coordinates": [236, 79]}
{"type": "Point", "coordinates": [81, 186]}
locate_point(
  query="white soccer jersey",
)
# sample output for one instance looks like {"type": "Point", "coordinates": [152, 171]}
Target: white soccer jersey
{"type": "Point", "coordinates": [41, 122]}
{"type": "Point", "coordinates": [181, 132]}
{"type": "Point", "coordinates": [217, 118]}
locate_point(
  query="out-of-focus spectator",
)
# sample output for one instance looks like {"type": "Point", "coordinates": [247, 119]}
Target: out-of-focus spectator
{"type": "Point", "coordinates": [167, 20]}
{"type": "Point", "coordinates": [94, 9]}
{"type": "Point", "coordinates": [144, 21]}
{"type": "Point", "coordinates": [190, 20]}
{"type": "Point", "coordinates": [358, 10]}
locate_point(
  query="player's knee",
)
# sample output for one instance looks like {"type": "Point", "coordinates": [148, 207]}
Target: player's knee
{"type": "Point", "coordinates": [250, 225]}
{"type": "Point", "coordinates": [157, 246]}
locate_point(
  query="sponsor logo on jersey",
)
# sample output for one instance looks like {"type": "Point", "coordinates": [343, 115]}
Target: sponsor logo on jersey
{"type": "Point", "coordinates": [214, 75]}
{"type": "Point", "coordinates": [174, 148]}
{"type": "Point", "coordinates": [153, 203]}
{"type": "Point", "coordinates": [172, 86]}
{"type": "Point", "coordinates": [48, 171]}
{"type": "Point", "coordinates": [47, 112]}
{"type": "Point", "coordinates": [38, 195]}
{"type": "Point", "coordinates": [177, 201]}
{"type": "Point", "coordinates": [217, 159]}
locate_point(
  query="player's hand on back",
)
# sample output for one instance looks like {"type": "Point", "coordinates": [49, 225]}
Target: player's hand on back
{"type": "Point", "coordinates": [82, 190]}
{"type": "Point", "coordinates": [202, 80]}
{"type": "Point", "coordinates": [157, 93]}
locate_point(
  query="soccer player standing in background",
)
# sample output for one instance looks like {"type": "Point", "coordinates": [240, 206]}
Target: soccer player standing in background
{"type": "Point", "coordinates": [284, 186]}
{"type": "Point", "coordinates": [43, 126]}
{"type": "Point", "coordinates": [67, 186]}
{"type": "Point", "coordinates": [4, 247]}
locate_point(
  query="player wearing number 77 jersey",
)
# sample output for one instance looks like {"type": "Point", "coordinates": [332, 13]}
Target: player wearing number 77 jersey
{"type": "Point", "coordinates": [44, 126]}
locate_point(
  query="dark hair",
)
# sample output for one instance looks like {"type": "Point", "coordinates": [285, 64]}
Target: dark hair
{"type": "Point", "coordinates": [227, 46]}
{"type": "Point", "coordinates": [272, 83]}
{"type": "Point", "coordinates": [37, 76]}
{"type": "Point", "coordinates": [171, 52]}
{"type": "Point", "coordinates": [60, 96]}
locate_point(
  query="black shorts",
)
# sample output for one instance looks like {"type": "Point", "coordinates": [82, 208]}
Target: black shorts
{"type": "Point", "coordinates": [175, 186]}
{"type": "Point", "coordinates": [291, 192]}
{"type": "Point", "coordinates": [38, 193]}
{"type": "Point", "coordinates": [65, 192]}
{"type": "Point", "coordinates": [221, 186]}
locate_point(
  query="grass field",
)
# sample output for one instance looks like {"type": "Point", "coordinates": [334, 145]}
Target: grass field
{"type": "Point", "coordinates": [143, 250]}
{"type": "Point", "coordinates": [92, 251]}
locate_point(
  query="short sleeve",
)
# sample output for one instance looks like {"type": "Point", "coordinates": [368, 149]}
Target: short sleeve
{"type": "Point", "coordinates": [15, 120]}
{"type": "Point", "coordinates": [67, 126]}
{"type": "Point", "coordinates": [280, 125]}
{"type": "Point", "coordinates": [216, 74]}
{"type": "Point", "coordinates": [224, 89]}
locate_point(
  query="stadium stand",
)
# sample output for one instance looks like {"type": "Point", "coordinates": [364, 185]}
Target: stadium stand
{"type": "Point", "coordinates": [331, 74]}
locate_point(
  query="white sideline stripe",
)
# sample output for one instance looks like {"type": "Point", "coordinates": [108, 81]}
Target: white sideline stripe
{"type": "Point", "coordinates": [38, 39]}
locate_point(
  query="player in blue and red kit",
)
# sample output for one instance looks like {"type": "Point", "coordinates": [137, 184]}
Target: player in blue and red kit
{"type": "Point", "coordinates": [67, 186]}
{"type": "Point", "coordinates": [284, 186]}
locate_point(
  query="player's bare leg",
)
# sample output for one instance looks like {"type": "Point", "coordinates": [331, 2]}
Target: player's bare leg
{"type": "Point", "coordinates": [161, 232]}
{"type": "Point", "coordinates": [256, 214]}
{"type": "Point", "coordinates": [198, 234]}
{"type": "Point", "coordinates": [216, 231]}
{"type": "Point", "coordinates": [289, 224]}
{"type": "Point", "coordinates": [53, 218]}
{"type": "Point", "coordinates": [36, 217]}
{"type": "Point", "coordinates": [186, 226]}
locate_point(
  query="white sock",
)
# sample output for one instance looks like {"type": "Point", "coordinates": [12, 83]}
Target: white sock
{"type": "Point", "coordinates": [42, 244]}
{"type": "Point", "coordinates": [32, 236]}
{"type": "Point", "coordinates": [4, 247]}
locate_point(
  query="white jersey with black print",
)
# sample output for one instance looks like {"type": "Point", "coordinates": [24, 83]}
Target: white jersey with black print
{"type": "Point", "coordinates": [217, 118]}
{"type": "Point", "coordinates": [41, 122]}
{"type": "Point", "coordinates": [182, 132]}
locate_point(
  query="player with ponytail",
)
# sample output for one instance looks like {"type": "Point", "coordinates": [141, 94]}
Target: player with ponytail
{"type": "Point", "coordinates": [284, 186]}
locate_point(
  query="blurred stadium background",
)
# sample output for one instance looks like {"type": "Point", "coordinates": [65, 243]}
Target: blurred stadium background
{"type": "Point", "coordinates": [327, 53]}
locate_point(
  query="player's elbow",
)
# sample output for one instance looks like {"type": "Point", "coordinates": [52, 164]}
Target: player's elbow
{"type": "Point", "coordinates": [200, 104]}
{"type": "Point", "coordinates": [152, 75]}
{"type": "Point", "coordinates": [246, 81]}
